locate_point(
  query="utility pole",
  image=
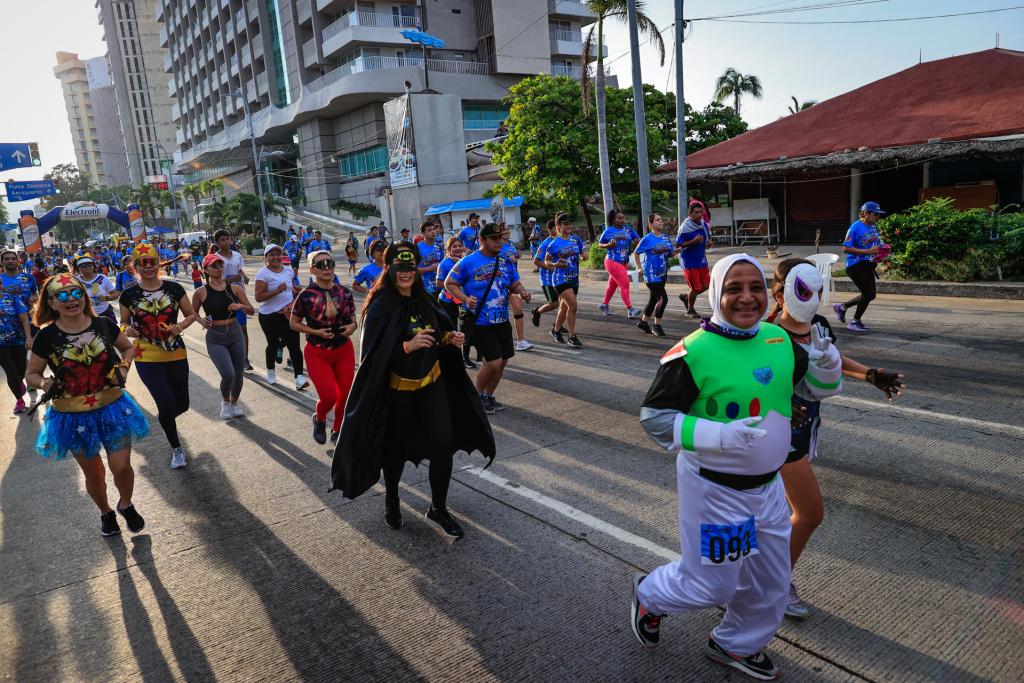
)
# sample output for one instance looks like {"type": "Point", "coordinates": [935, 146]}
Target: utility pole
{"type": "Point", "coordinates": [639, 116]}
{"type": "Point", "coordinates": [681, 198]}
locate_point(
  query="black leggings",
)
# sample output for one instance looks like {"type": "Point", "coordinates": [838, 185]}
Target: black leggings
{"type": "Point", "coordinates": [863, 276]}
{"type": "Point", "coordinates": [440, 477]}
{"type": "Point", "coordinates": [168, 385]}
{"type": "Point", "coordinates": [279, 334]}
{"type": "Point", "coordinates": [657, 301]}
{"type": "Point", "coordinates": [13, 361]}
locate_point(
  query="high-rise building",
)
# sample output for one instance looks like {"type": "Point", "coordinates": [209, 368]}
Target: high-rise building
{"type": "Point", "coordinates": [107, 123]}
{"type": "Point", "coordinates": [314, 76]}
{"type": "Point", "coordinates": [143, 97]}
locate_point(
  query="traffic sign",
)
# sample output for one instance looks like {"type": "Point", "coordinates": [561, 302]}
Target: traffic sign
{"type": "Point", "coordinates": [18, 155]}
{"type": "Point", "coordinates": [29, 189]}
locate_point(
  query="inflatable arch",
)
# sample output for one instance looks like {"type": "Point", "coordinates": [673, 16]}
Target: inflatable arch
{"type": "Point", "coordinates": [32, 229]}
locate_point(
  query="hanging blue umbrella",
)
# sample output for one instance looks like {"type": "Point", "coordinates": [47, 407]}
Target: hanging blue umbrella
{"type": "Point", "coordinates": [423, 38]}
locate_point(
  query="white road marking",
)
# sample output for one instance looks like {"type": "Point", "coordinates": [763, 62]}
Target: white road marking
{"type": "Point", "coordinates": [574, 514]}
{"type": "Point", "coordinates": [931, 416]}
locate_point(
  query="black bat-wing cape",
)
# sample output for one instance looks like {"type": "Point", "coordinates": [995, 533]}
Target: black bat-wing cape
{"type": "Point", "coordinates": [359, 455]}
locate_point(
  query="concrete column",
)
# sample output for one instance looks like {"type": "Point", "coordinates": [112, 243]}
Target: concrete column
{"type": "Point", "coordinates": [855, 193]}
{"type": "Point", "coordinates": [319, 174]}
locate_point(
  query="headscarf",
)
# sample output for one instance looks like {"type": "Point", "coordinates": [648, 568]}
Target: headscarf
{"type": "Point", "coordinates": [718, 274]}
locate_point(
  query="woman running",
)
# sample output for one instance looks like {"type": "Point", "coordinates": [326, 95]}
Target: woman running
{"type": "Point", "coordinates": [658, 248]}
{"type": "Point", "coordinates": [149, 314]}
{"type": "Point", "coordinates": [224, 341]}
{"type": "Point", "coordinates": [563, 254]}
{"type": "Point", "coordinates": [453, 252]}
{"type": "Point", "coordinates": [89, 358]}
{"type": "Point", "coordinates": [274, 294]}
{"type": "Point", "coordinates": [15, 338]}
{"type": "Point", "coordinates": [797, 292]}
{"type": "Point", "coordinates": [101, 290]}
{"type": "Point", "coordinates": [325, 312]}
{"type": "Point", "coordinates": [410, 392]}
{"type": "Point", "coordinates": [368, 274]}
{"type": "Point", "coordinates": [616, 239]}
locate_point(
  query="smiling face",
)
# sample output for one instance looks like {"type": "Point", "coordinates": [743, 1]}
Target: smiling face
{"type": "Point", "coordinates": [88, 270]}
{"type": "Point", "coordinates": [744, 298]}
{"type": "Point", "coordinates": [149, 268]}
{"type": "Point", "coordinates": [273, 258]}
{"type": "Point", "coordinates": [455, 249]}
{"type": "Point", "coordinates": [74, 301]}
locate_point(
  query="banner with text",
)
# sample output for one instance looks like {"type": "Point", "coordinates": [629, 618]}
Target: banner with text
{"type": "Point", "coordinates": [401, 147]}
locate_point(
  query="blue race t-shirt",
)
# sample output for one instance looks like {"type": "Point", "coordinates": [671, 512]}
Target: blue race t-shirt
{"type": "Point", "coordinates": [860, 236]}
{"type": "Point", "coordinates": [474, 272]}
{"type": "Point", "coordinates": [545, 274]}
{"type": "Point", "coordinates": [21, 285]}
{"type": "Point", "coordinates": [622, 237]}
{"type": "Point", "coordinates": [294, 251]}
{"type": "Point", "coordinates": [318, 245]}
{"type": "Point", "coordinates": [658, 249]}
{"type": "Point", "coordinates": [569, 250]}
{"type": "Point", "coordinates": [693, 256]}
{"type": "Point", "coordinates": [579, 243]}
{"type": "Point", "coordinates": [443, 268]}
{"type": "Point", "coordinates": [11, 332]}
{"type": "Point", "coordinates": [511, 253]}
{"type": "Point", "coordinates": [468, 236]}
{"type": "Point", "coordinates": [368, 274]}
{"type": "Point", "coordinates": [430, 255]}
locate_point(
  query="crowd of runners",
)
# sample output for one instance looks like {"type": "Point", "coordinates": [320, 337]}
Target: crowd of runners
{"type": "Point", "coordinates": [737, 401]}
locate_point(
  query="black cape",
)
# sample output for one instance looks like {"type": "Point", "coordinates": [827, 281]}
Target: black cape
{"type": "Point", "coordinates": [359, 455]}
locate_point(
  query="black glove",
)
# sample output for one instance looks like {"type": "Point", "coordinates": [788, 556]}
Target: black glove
{"type": "Point", "coordinates": [889, 382]}
{"type": "Point", "coordinates": [799, 419]}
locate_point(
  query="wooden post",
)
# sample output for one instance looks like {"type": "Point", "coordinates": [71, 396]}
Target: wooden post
{"type": "Point", "coordinates": [817, 241]}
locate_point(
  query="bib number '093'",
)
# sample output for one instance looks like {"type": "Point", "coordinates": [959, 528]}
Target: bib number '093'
{"type": "Point", "coordinates": [721, 543]}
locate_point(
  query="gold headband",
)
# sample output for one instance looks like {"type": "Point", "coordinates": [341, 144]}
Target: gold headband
{"type": "Point", "coordinates": [59, 282]}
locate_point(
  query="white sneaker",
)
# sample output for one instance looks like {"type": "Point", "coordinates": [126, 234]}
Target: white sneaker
{"type": "Point", "coordinates": [301, 382]}
{"type": "Point", "coordinates": [271, 377]}
{"type": "Point", "coordinates": [225, 410]}
{"type": "Point", "coordinates": [236, 410]}
{"type": "Point", "coordinates": [523, 345]}
{"type": "Point", "coordinates": [178, 458]}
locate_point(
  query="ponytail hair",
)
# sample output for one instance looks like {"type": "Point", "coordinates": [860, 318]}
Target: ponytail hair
{"type": "Point", "coordinates": [610, 218]}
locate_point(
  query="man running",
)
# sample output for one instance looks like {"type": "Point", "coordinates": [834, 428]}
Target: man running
{"type": "Point", "coordinates": [469, 235]}
{"type": "Point", "coordinates": [861, 244]}
{"type": "Point", "coordinates": [536, 237]}
{"type": "Point", "coordinates": [431, 254]}
{"type": "Point", "coordinates": [692, 239]}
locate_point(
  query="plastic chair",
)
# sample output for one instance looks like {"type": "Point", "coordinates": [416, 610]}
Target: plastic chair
{"type": "Point", "coordinates": [824, 263]}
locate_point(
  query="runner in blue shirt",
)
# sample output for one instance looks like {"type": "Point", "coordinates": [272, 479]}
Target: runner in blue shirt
{"type": "Point", "coordinates": [294, 251]}
{"type": "Point", "coordinates": [563, 252]}
{"type": "Point", "coordinates": [368, 274]}
{"type": "Point", "coordinates": [861, 245]}
{"type": "Point", "coordinates": [483, 281]}
{"type": "Point", "coordinates": [16, 282]}
{"type": "Point", "coordinates": [693, 238]}
{"type": "Point", "coordinates": [469, 235]}
{"type": "Point", "coordinates": [616, 239]}
{"type": "Point", "coordinates": [431, 254]}
{"type": "Point", "coordinates": [546, 273]}
{"type": "Point", "coordinates": [318, 243]}
{"type": "Point", "coordinates": [658, 249]}
{"type": "Point", "coordinates": [368, 242]}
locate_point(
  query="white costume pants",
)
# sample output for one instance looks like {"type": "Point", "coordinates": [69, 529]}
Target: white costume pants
{"type": "Point", "coordinates": [727, 568]}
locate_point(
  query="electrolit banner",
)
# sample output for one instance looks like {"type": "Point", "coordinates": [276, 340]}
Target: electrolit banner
{"type": "Point", "coordinates": [401, 147]}
{"type": "Point", "coordinates": [33, 228]}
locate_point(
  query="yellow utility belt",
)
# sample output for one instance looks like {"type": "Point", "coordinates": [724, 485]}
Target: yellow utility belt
{"type": "Point", "coordinates": [403, 384]}
{"type": "Point", "coordinates": [83, 404]}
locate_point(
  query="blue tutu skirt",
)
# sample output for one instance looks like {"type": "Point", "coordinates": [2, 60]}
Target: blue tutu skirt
{"type": "Point", "coordinates": [113, 427]}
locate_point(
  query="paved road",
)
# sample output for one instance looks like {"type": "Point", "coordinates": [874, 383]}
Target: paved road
{"type": "Point", "coordinates": [248, 570]}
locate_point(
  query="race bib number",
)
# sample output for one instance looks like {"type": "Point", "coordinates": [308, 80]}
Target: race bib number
{"type": "Point", "coordinates": [721, 543]}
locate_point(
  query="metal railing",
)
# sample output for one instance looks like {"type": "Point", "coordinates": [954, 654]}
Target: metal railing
{"type": "Point", "coordinates": [370, 20]}
{"type": "Point", "coordinates": [455, 66]}
{"type": "Point", "coordinates": [374, 63]}
{"type": "Point", "coordinates": [309, 53]}
{"type": "Point", "coordinates": [567, 36]}
{"type": "Point", "coordinates": [566, 70]}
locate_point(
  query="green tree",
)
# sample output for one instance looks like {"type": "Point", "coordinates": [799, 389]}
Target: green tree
{"type": "Point", "coordinates": [211, 187]}
{"type": "Point", "coordinates": [713, 124]}
{"type": "Point", "coordinates": [594, 44]}
{"type": "Point", "coordinates": [192, 191]}
{"type": "Point", "coordinates": [734, 84]}
{"type": "Point", "coordinates": [3, 212]}
{"type": "Point", "coordinates": [146, 197]}
{"type": "Point", "coordinates": [72, 185]}
{"type": "Point", "coordinates": [800, 106]}
{"type": "Point", "coordinates": [218, 213]}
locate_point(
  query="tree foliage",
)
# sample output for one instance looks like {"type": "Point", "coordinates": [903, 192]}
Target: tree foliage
{"type": "Point", "coordinates": [800, 106]}
{"type": "Point", "coordinates": [735, 85]}
{"type": "Point", "coordinates": [711, 125]}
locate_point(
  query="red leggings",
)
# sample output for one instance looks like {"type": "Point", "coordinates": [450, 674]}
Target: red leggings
{"type": "Point", "coordinates": [332, 371]}
{"type": "Point", "coordinates": [617, 279]}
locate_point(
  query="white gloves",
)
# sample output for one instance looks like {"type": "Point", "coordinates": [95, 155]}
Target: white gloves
{"type": "Point", "coordinates": [725, 437]}
{"type": "Point", "coordinates": [822, 353]}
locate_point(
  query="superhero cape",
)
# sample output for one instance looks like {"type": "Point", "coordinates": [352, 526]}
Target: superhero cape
{"type": "Point", "coordinates": [359, 455]}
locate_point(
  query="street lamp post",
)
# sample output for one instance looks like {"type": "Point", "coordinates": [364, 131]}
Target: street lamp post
{"type": "Point", "coordinates": [255, 161]}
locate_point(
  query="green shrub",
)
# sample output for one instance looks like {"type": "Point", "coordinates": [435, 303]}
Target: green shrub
{"type": "Point", "coordinates": [595, 259]}
{"type": "Point", "coordinates": [250, 243]}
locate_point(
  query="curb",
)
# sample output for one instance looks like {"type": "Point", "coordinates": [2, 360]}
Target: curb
{"type": "Point", "coordinates": [963, 290]}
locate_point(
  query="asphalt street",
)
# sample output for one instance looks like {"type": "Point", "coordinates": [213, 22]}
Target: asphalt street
{"type": "Point", "coordinates": [249, 570]}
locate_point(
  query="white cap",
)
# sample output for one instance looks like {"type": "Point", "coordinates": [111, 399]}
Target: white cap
{"type": "Point", "coordinates": [531, 219]}
{"type": "Point", "coordinates": [270, 247]}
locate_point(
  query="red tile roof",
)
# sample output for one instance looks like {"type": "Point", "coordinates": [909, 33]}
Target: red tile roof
{"type": "Point", "coordinates": [969, 96]}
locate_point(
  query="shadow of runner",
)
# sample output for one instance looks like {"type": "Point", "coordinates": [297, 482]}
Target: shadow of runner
{"type": "Point", "coordinates": [321, 634]}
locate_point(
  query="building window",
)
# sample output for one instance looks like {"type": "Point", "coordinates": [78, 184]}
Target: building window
{"type": "Point", "coordinates": [364, 162]}
{"type": "Point", "coordinates": [483, 116]}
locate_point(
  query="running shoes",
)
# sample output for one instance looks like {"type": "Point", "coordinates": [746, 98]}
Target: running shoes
{"type": "Point", "coordinates": [632, 312]}
{"type": "Point", "coordinates": [178, 458]}
{"type": "Point", "coordinates": [557, 336]}
{"type": "Point", "coordinates": [657, 331]}
{"type": "Point", "coordinates": [132, 518]}
{"type": "Point", "coordinates": [108, 524]}
{"type": "Point", "coordinates": [644, 326]}
{"type": "Point", "coordinates": [271, 377]}
{"type": "Point", "coordinates": [523, 345]}
{"type": "Point", "coordinates": [19, 406]}
{"type": "Point", "coordinates": [757, 665]}
{"type": "Point", "coordinates": [575, 342]}
{"type": "Point", "coordinates": [319, 430]}
{"type": "Point", "coordinates": [535, 317]}
{"type": "Point", "coordinates": [604, 309]}
{"type": "Point", "coordinates": [840, 311]}
{"type": "Point", "coordinates": [646, 626]}
{"type": "Point", "coordinates": [856, 326]}
{"type": "Point", "coordinates": [444, 519]}
{"type": "Point", "coordinates": [795, 607]}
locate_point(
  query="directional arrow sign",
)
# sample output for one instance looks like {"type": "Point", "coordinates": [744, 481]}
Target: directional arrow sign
{"type": "Point", "coordinates": [18, 155]}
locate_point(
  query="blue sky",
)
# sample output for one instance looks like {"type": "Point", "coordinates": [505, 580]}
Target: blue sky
{"type": "Point", "coordinates": [808, 61]}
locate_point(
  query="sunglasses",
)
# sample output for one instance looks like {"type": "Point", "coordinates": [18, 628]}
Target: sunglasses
{"type": "Point", "coordinates": [148, 262]}
{"type": "Point", "coordinates": [66, 294]}
{"type": "Point", "coordinates": [325, 264]}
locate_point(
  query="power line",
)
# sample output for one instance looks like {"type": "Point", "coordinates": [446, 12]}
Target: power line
{"type": "Point", "coordinates": [868, 21]}
{"type": "Point", "coordinates": [789, 10]}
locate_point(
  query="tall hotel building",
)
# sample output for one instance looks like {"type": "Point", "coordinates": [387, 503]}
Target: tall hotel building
{"type": "Point", "coordinates": [315, 74]}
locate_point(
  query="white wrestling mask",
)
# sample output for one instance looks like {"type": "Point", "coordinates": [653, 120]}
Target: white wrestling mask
{"type": "Point", "coordinates": [802, 293]}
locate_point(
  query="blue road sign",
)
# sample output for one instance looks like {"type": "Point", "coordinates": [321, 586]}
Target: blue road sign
{"type": "Point", "coordinates": [18, 155]}
{"type": "Point", "coordinates": [29, 189]}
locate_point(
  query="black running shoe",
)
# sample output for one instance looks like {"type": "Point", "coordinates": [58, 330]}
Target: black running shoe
{"type": "Point", "coordinates": [575, 342]}
{"type": "Point", "coordinates": [757, 665]}
{"type": "Point", "coordinates": [535, 313]}
{"type": "Point", "coordinates": [444, 519]}
{"type": "Point", "coordinates": [392, 512]}
{"type": "Point", "coordinates": [280, 356]}
{"type": "Point", "coordinates": [108, 524]}
{"type": "Point", "coordinates": [557, 336]}
{"type": "Point", "coordinates": [470, 365]}
{"type": "Point", "coordinates": [486, 403]}
{"type": "Point", "coordinates": [248, 366]}
{"type": "Point", "coordinates": [644, 326]}
{"type": "Point", "coordinates": [646, 626]}
{"type": "Point", "coordinates": [334, 438]}
{"type": "Point", "coordinates": [319, 430]}
{"type": "Point", "coordinates": [657, 331]}
{"type": "Point", "coordinates": [692, 314]}
{"type": "Point", "coordinates": [132, 518]}
{"type": "Point", "coordinates": [682, 297]}
{"type": "Point", "coordinates": [495, 403]}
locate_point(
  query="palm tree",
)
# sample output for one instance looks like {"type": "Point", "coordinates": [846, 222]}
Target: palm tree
{"type": "Point", "coordinates": [609, 9]}
{"type": "Point", "coordinates": [798, 106]}
{"type": "Point", "coordinates": [192, 191]}
{"type": "Point", "coordinates": [143, 196]}
{"type": "Point", "coordinates": [734, 84]}
{"type": "Point", "coordinates": [211, 186]}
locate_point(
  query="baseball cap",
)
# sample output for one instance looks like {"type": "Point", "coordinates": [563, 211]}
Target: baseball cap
{"type": "Point", "coordinates": [270, 247]}
{"type": "Point", "coordinates": [212, 258]}
{"type": "Point", "coordinates": [531, 219]}
{"type": "Point", "coordinates": [490, 230]}
{"type": "Point", "coordinates": [83, 259]}
{"type": "Point", "coordinates": [873, 207]}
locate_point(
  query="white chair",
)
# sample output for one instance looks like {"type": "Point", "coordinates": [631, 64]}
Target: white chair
{"type": "Point", "coordinates": [824, 263]}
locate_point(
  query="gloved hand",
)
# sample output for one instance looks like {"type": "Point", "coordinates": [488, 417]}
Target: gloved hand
{"type": "Point", "coordinates": [822, 353]}
{"type": "Point", "coordinates": [738, 434]}
{"type": "Point", "coordinates": [889, 382]}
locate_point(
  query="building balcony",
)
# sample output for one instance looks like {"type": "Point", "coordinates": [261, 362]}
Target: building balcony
{"type": "Point", "coordinates": [175, 112]}
{"type": "Point", "coordinates": [309, 58]}
{"type": "Point", "coordinates": [571, 71]}
{"type": "Point", "coordinates": [167, 63]}
{"type": "Point", "coordinates": [570, 9]}
{"type": "Point", "coordinates": [331, 6]}
{"type": "Point", "coordinates": [570, 43]}
{"type": "Point", "coordinates": [179, 136]}
{"type": "Point", "coordinates": [305, 12]}
{"type": "Point", "coordinates": [172, 87]}
{"type": "Point", "coordinates": [262, 84]}
{"type": "Point", "coordinates": [253, 9]}
{"type": "Point", "coordinates": [365, 27]}
{"type": "Point", "coordinates": [163, 36]}
{"type": "Point", "coordinates": [455, 66]}
{"type": "Point", "coordinates": [360, 65]}
{"type": "Point", "coordinates": [257, 46]}
{"type": "Point", "coordinates": [246, 57]}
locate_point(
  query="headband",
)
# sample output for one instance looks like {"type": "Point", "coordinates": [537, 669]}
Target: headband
{"type": "Point", "coordinates": [144, 250]}
{"type": "Point", "coordinates": [59, 282]}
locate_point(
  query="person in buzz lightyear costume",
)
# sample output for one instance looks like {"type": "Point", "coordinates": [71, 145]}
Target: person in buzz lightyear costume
{"type": "Point", "coordinates": [723, 402]}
